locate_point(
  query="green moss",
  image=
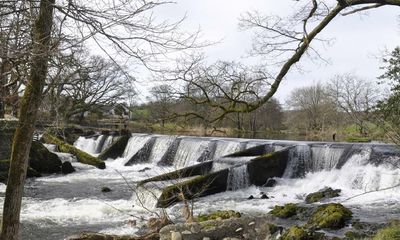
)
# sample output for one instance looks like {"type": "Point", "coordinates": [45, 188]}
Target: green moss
{"type": "Point", "coordinates": [81, 156]}
{"type": "Point", "coordinates": [330, 216]}
{"type": "Point", "coordinates": [296, 233]}
{"type": "Point", "coordinates": [322, 194]}
{"type": "Point", "coordinates": [389, 233]}
{"type": "Point", "coordinates": [286, 211]}
{"type": "Point", "coordinates": [219, 215]}
{"type": "Point", "coordinates": [354, 235]}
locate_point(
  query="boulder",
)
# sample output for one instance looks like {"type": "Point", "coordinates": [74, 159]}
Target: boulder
{"type": "Point", "coordinates": [42, 160]}
{"type": "Point", "coordinates": [330, 216]}
{"type": "Point", "coordinates": [391, 232]}
{"type": "Point", "coordinates": [322, 194]}
{"type": "Point", "coordinates": [116, 149]}
{"type": "Point", "coordinates": [286, 211]}
{"type": "Point", "coordinates": [105, 189]}
{"type": "Point", "coordinates": [67, 168]}
{"type": "Point", "coordinates": [80, 155]}
{"type": "Point", "coordinates": [233, 228]}
{"type": "Point", "coordinates": [100, 236]}
{"type": "Point", "coordinates": [218, 215]}
{"type": "Point", "coordinates": [302, 233]}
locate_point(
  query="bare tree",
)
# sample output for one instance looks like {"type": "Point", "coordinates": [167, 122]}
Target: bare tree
{"type": "Point", "coordinates": [128, 26]}
{"type": "Point", "coordinates": [355, 96]}
{"type": "Point", "coordinates": [312, 105]}
{"type": "Point", "coordinates": [282, 42]}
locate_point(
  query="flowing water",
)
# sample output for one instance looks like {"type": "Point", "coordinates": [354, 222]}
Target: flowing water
{"type": "Point", "coordinates": [58, 206]}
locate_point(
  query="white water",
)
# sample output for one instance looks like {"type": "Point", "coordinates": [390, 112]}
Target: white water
{"type": "Point", "coordinates": [226, 147]}
{"type": "Point", "coordinates": [57, 206]}
{"type": "Point", "coordinates": [107, 143]}
{"type": "Point", "coordinates": [160, 148]}
{"type": "Point", "coordinates": [189, 151]}
{"type": "Point", "coordinates": [135, 143]}
{"type": "Point", "coordinates": [324, 158]}
{"type": "Point", "coordinates": [355, 178]}
{"type": "Point", "coordinates": [238, 178]}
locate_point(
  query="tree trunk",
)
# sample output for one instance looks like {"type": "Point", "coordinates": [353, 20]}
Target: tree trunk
{"type": "Point", "coordinates": [28, 112]}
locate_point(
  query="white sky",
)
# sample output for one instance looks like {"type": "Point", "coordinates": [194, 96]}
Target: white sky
{"type": "Point", "coordinates": [359, 40]}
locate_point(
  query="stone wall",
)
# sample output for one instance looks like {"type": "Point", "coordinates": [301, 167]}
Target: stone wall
{"type": "Point", "coordinates": [7, 129]}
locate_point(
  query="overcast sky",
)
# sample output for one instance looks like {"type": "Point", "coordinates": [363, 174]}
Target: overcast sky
{"type": "Point", "coordinates": [359, 40]}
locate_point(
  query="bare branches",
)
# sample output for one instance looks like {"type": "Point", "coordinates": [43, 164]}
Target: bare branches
{"type": "Point", "coordinates": [362, 9]}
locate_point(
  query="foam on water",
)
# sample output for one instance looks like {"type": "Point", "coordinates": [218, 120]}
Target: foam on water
{"type": "Point", "coordinates": [355, 178]}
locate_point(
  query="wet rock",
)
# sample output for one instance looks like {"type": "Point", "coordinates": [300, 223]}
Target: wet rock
{"type": "Point", "coordinates": [67, 168]}
{"type": "Point", "coordinates": [42, 160]}
{"type": "Point", "coordinates": [250, 197]}
{"type": "Point", "coordinates": [116, 149]}
{"type": "Point", "coordinates": [322, 194]}
{"type": "Point", "coordinates": [286, 211]}
{"type": "Point", "coordinates": [302, 233]}
{"type": "Point", "coordinates": [264, 196]}
{"type": "Point", "coordinates": [144, 169]}
{"type": "Point", "coordinates": [233, 228]}
{"type": "Point", "coordinates": [100, 236]}
{"type": "Point", "coordinates": [271, 183]}
{"type": "Point", "coordinates": [105, 189]}
{"type": "Point", "coordinates": [355, 235]}
{"type": "Point", "coordinates": [219, 215]}
{"type": "Point", "coordinates": [391, 232]}
{"type": "Point", "coordinates": [81, 156]}
{"type": "Point", "coordinates": [330, 216]}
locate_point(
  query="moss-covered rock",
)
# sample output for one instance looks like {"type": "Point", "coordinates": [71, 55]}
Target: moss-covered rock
{"type": "Point", "coordinates": [286, 211]}
{"type": "Point", "coordinates": [116, 149]}
{"type": "Point", "coordinates": [218, 215]}
{"type": "Point", "coordinates": [355, 235]}
{"type": "Point", "coordinates": [391, 232]}
{"type": "Point", "coordinates": [81, 156]}
{"type": "Point", "coordinates": [42, 160]}
{"type": "Point", "coordinates": [199, 186]}
{"type": "Point", "coordinates": [296, 233]}
{"type": "Point", "coordinates": [330, 216]}
{"type": "Point", "coordinates": [100, 236]}
{"type": "Point", "coordinates": [322, 194]}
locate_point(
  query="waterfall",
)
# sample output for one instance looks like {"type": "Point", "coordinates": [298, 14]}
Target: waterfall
{"type": "Point", "coordinates": [92, 145]}
{"type": "Point", "coordinates": [298, 158]}
{"type": "Point", "coordinates": [324, 157]}
{"type": "Point", "coordinates": [238, 178]}
{"type": "Point", "coordinates": [108, 141]}
{"type": "Point", "coordinates": [225, 147]}
{"type": "Point", "coordinates": [135, 143]}
{"type": "Point", "coordinates": [160, 148]}
{"type": "Point", "coordinates": [189, 152]}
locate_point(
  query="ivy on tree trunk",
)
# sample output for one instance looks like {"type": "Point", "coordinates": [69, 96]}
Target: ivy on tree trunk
{"type": "Point", "coordinates": [27, 117]}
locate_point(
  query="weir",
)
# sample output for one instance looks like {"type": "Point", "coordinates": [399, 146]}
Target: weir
{"type": "Point", "coordinates": [238, 163]}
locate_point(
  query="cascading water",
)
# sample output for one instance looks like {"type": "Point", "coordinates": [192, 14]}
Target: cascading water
{"type": "Point", "coordinates": [189, 152]}
{"type": "Point", "coordinates": [135, 143]}
{"type": "Point", "coordinates": [324, 157]}
{"type": "Point", "coordinates": [108, 141]}
{"type": "Point", "coordinates": [160, 148]}
{"type": "Point", "coordinates": [77, 203]}
{"type": "Point", "coordinates": [226, 147]}
{"type": "Point", "coordinates": [238, 178]}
